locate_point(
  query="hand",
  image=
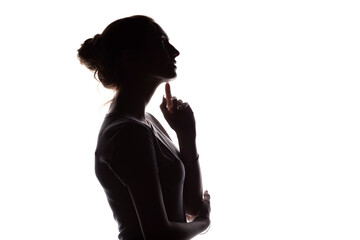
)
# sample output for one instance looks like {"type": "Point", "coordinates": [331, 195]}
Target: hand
{"type": "Point", "coordinates": [204, 210]}
{"type": "Point", "coordinates": [179, 115]}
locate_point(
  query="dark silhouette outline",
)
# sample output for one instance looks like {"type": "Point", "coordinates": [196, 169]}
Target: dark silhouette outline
{"type": "Point", "coordinates": [154, 190]}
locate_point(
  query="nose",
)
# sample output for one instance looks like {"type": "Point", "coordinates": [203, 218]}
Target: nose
{"type": "Point", "coordinates": [174, 52]}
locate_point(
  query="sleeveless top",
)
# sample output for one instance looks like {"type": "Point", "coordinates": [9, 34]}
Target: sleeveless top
{"type": "Point", "coordinates": [119, 137]}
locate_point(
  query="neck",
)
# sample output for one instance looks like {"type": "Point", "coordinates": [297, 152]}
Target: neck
{"type": "Point", "coordinates": [132, 99]}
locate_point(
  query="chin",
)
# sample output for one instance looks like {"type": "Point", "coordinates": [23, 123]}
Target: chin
{"type": "Point", "coordinates": [170, 75]}
{"type": "Point", "coordinates": [166, 76]}
{"type": "Point", "coordinates": [168, 79]}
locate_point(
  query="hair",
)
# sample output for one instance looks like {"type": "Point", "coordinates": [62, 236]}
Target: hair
{"type": "Point", "coordinates": [101, 54]}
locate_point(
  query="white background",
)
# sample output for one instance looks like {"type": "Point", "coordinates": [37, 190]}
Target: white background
{"type": "Point", "coordinates": [274, 86]}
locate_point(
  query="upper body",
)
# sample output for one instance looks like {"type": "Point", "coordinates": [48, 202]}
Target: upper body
{"type": "Point", "coordinates": [124, 144]}
{"type": "Point", "coordinates": [150, 185]}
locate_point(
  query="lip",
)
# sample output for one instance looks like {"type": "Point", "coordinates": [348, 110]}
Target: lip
{"type": "Point", "coordinates": [173, 63]}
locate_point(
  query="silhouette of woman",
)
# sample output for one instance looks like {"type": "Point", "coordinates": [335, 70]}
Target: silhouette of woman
{"type": "Point", "coordinates": [152, 188]}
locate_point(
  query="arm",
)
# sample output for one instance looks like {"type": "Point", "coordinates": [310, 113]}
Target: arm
{"type": "Point", "coordinates": [147, 198]}
{"type": "Point", "coordinates": [193, 182]}
{"type": "Point", "coordinates": [181, 118]}
{"type": "Point", "coordinates": [136, 166]}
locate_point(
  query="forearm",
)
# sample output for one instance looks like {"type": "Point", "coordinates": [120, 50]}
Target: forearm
{"type": "Point", "coordinates": [193, 182]}
{"type": "Point", "coordinates": [184, 231]}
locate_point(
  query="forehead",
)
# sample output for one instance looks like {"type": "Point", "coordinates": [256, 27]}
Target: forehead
{"type": "Point", "coordinates": [157, 31]}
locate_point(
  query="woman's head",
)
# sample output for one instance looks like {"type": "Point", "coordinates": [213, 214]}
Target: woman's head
{"type": "Point", "coordinates": [134, 44]}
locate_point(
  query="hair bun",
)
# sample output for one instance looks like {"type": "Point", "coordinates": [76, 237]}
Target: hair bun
{"type": "Point", "coordinates": [88, 53]}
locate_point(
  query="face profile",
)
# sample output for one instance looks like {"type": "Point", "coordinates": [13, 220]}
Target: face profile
{"type": "Point", "coordinates": [161, 55]}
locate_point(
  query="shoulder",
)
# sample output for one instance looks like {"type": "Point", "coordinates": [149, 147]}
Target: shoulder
{"type": "Point", "coordinates": [124, 127]}
{"type": "Point", "coordinates": [127, 146]}
{"type": "Point", "coordinates": [122, 135]}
